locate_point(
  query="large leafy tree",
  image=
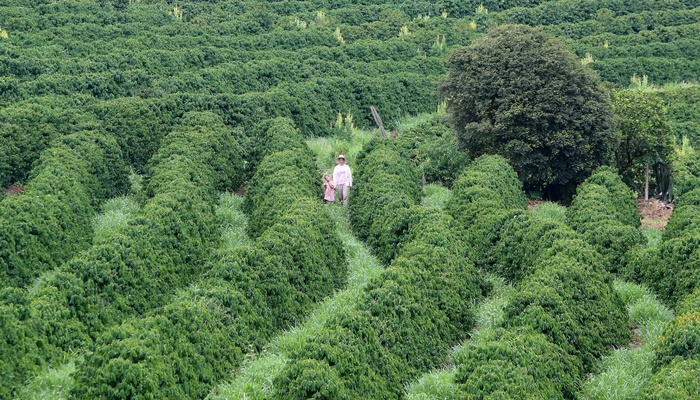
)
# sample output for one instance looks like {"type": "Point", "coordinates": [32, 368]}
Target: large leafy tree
{"type": "Point", "coordinates": [646, 139]}
{"type": "Point", "coordinates": [520, 93]}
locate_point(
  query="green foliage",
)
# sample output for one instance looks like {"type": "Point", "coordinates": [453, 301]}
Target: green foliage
{"type": "Point", "coordinates": [405, 321]}
{"type": "Point", "coordinates": [516, 364]}
{"type": "Point", "coordinates": [615, 201]}
{"type": "Point", "coordinates": [17, 349]}
{"type": "Point", "coordinates": [50, 221]}
{"type": "Point", "coordinates": [551, 301]}
{"type": "Point", "coordinates": [386, 189]}
{"type": "Point", "coordinates": [435, 196]}
{"type": "Point", "coordinates": [183, 348]}
{"type": "Point", "coordinates": [676, 381]}
{"type": "Point", "coordinates": [108, 173]}
{"type": "Point", "coordinates": [199, 138]}
{"type": "Point", "coordinates": [162, 249]}
{"type": "Point", "coordinates": [689, 303]}
{"type": "Point", "coordinates": [482, 199]}
{"type": "Point", "coordinates": [432, 145]}
{"type": "Point", "coordinates": [681, 339]}
{"type": "Point", "coordinates": [28, 128]}
{"type": "Point", "coordinates": [679, 255]}
{"type": "Point", "coordinates": [277, 183]}
{"type": "Point", "coordinates": [502, 101]}
{"type": "Point", "coordinates": [604, 212]}
{"type": "Point", "coordinates": [137, 124]}
{"type": "Point", "coordinates": [645, 138]}
{"type": "Point", "coordinates": [524, 236]}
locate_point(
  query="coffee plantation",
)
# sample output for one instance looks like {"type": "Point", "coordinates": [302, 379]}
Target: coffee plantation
{"type": "Point", "coordinates": [163, 234]}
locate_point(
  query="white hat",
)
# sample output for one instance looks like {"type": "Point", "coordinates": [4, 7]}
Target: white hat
{"type": "Point", "coordinates": [341, 156]}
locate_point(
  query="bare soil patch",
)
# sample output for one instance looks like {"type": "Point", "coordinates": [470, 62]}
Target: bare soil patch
{"type": "Point", "coordinates": [14, 189]}
{"type": "Point", "coordinates": [532, 204]}
{"type": "Point", "coordinates": [655, 213]}
{"type": "Point", "coordinates": [636, 341]}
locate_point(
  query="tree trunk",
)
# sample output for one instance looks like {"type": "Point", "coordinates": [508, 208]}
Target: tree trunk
{"type": "Point", "coordinates": [646, 184]}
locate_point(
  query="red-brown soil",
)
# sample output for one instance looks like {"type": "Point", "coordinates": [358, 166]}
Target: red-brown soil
{"type": "Point", "coordinates": [14, 189]}
{"type": "Point", "coordinates": [655, 213]}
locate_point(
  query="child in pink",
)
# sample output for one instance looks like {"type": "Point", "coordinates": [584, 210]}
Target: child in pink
{"type": "Point", "coordinates": [328, 189]}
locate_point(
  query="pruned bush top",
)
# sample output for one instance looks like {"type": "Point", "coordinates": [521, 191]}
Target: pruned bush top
{"type": "Point", "coordinates": [386, 186]}
{"type": "Point", "coordinates": [484, 196]}
{"type": "Point", "coordinates": [404, 322]}
{"type": "Point", "coordinates": [603, 196]}
{"type": "Point", "coordinates": [520, 93]}
{"type": "Point", "coordinates": [681, 339]}
{"type": "Point", "coordinates": [516, 364]}
{"type": "Point", "coordinates": [574, 306]}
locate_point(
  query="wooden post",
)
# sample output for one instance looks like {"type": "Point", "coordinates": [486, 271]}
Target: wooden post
{"type": "Point", "coordinates": [378, 121]}
{"type": "Point", "coordinates": [646, 184]}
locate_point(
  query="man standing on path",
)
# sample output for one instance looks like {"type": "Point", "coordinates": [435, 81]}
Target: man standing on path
{"type": "Point", "coordinates": [342, 179]}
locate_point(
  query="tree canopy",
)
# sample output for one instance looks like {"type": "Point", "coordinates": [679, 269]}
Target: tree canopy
{"type": "Point", "coordinates": [645, 138]}
{"type": "Point", "coordinates": [520, 93]}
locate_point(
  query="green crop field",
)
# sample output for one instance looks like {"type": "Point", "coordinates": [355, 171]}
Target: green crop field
{"type": "Point", "coordinates": [163, 233]}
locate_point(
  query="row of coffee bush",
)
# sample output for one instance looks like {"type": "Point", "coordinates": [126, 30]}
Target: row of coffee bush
{"type": "Point", "coordinates": [161, 250]}
{"type": "Point", "coordinates": [561, 319]}
{"type": "Point", "coordinates": [405, 320]}
{"type": "Point", "coordinates": [52, 220]}
{"type": "Point", "coordinates": [563, 316]}
{"type": "Point", "coordinates": [387, 187]}
{"type": "Point", "coordinates": [677, 355]}
{"type": "Point", "coordinates": [432, 146]}
{"type": "Point", "coordinates": [181, 350]}
{"type": "Point", "coordinates": [605, 214]}
{"type": "Point", "coordinates": [138, 124]}
{"type": "Point", "coordinates": [672, 268]}
{"type": "Point", "coordinates": [623, 24]}
{"type": "Point", "coordinates": [568, 11]}
{"type": "Point", "coordinates": [403, 323]}
{"type": "Point", "coordinates": [484, 196]}
{"type": "Point", "coordinates": [665, 268]}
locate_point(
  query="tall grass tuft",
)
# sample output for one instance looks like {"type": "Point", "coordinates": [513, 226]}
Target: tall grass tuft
{"type": "Point", "coordinates": [652, 235]}
{"type": "Point", "coordinates": [52, 383]}
{"type": "Point", "coordinates": [327, 149]}
{"type": "Point", "coordinates": [625, 371]}
{"type": "Point", "coordinates": [233, 222]}
{"type": "Point", "coordinates": [435, 196]}
{"type": "Point", "coordinates": [116, 213]}
{"type": "Point", "coordinates": [440, 384]}
{"type": "Point", "coordinates": [551, 211]}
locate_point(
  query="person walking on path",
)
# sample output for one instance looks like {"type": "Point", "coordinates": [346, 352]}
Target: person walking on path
{"type": "Point", "coordinates": [342, 179]}
{"type": "Point", "coordinates": [328, 192]}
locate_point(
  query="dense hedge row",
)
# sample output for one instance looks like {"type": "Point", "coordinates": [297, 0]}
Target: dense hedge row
{"type": "Point", "coordinates": [28, 128]}
{"type": "Point", "coordinates": [387, 187]}
{"type": "Point", "coordinates": [181, 350]}
{"type": "Point", "coordinates": [564, 314]}
{"type": "Point", "coordinates": [563, 317]}
{"type": "Point", "coordinates": [677, 360]}
{"type": "Point", "coordinates": [671, 269]}
{"type": "Point", "coordinates": [403, 324]}
{"type": "Point", "coordinates": [52, 220]}
{"type": "Point", "coordinates": [483, 198]}
{"type": "Point", "coordinates": [432, 145]}
{"type": "Point", "coordinates": [605, 214]}
{"type": "Point", "coordinates": [162, 249]}
{"type": "Point", "coordinates": [626, 24]}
